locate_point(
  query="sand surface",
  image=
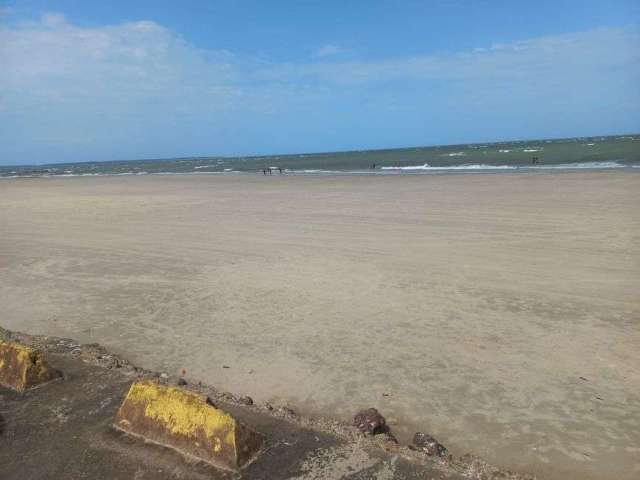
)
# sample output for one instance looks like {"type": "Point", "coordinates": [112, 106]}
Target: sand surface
{"type": "Point", "coordinates": [498, 312]}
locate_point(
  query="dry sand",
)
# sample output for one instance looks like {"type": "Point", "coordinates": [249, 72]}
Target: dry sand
{"type": "Point", "coordinates": [499, 313]}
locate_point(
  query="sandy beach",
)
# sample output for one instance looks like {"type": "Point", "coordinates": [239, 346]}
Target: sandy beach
{"type": "Point", "coordinates": [498, 312]}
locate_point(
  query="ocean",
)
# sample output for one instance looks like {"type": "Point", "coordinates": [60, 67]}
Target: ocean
{"type": "Point", "coordinates": [620, 152]}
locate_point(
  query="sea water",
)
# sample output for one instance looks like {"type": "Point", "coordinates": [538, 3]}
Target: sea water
{"type": "Point", "coordinates": [610, 152]}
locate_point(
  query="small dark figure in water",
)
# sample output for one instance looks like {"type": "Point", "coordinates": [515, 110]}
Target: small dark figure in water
{"type": "Point", "coordinates": [280, 168]}
{"type": "Point", "coordinates": [264, 171]}
{"type": "Point", "coordinates": [373, 167]}
{"type": "Point", "coordinates": [534, 160]}
{"type": "Point", "coordinates": [270, 172]}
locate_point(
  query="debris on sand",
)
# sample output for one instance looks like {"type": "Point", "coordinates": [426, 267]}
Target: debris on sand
{"type": "Point", "coordinates": [246, 400]}
{"type": "Point", "coordinates": [370, 421]}
{"type": "Point", "coordinates": [285, 412]}
{"type": "Point", "coordinates": [476, 468]}
{"type": "Point", "coordinates": [429, 445]}
{"type": "Point", "coordinates": [387, 441]}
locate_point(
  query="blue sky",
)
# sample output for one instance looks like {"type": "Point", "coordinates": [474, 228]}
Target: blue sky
{"type": "Point", "coordinates": [88, 81]}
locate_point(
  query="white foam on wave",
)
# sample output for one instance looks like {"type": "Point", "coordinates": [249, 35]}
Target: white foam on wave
{"type": "Point", "coordinates": [532, 149]}
{"type": "Point", "coordinates": [565, 166]}
{"type": "Point", "coordinates": [455, 154]}
{"type": "Point", "coordinates": [314, 171]}
{"type": "Point", "coordinates": [84, 175]}
{"type": "Point", "coordinates": [482, 166]}
{"type": "Point", "coordinates": [476, 166]}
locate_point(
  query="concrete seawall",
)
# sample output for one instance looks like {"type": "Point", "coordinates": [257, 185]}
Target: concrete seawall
{"type": "Point", "coordinates": [63, 429]}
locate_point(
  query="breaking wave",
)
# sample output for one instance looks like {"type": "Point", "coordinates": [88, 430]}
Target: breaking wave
{"type": "Point", "coordinates": [478, 166]}
{"type": "Point", "coordinates": [583, 165]}
{"type": "Point", "coordinates": [483, 166]}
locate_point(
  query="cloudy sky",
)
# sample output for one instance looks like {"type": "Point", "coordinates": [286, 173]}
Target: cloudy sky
{"type": "Point", "coordinates": [87, 81]}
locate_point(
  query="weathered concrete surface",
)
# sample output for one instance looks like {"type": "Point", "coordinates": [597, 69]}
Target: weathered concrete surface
{"type": "Point", "coordinates": [184, 420]}
{"type": "Point", "coordinates": [63, 430]}
{"type": "Point", "coordinates": [22, 367]}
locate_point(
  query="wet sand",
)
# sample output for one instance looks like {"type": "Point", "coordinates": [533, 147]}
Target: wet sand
{"type": "Point", "coordinates": [499, 312]}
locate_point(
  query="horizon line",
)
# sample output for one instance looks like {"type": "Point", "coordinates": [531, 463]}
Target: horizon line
{"type": "Point", "coordinates": [253, 156]}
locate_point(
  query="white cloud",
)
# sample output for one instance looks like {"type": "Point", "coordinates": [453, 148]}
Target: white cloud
{"type": "Point", "coordinates": [54, 20]}
{"type": "Point", "coordinates": [57, 61]}
{"type": "Point", "coordinates": [62, 85]}
{"type": "Point", "coordinates": [589, 51]}
{"type": "Point", "coordinates": [328, 50]}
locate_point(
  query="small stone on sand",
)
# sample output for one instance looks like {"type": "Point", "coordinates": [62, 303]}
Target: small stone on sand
{"type": "Point", "coordinates": [370, 421]}
{"type": "Point", "coordinates": [429, 445]}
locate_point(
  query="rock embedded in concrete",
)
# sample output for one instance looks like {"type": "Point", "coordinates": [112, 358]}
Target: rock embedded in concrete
{"type": "Point", "coordinates": [285, 412]}
{"type": "Point", "coordinates": [36, 441]}
{"type": "Point", "coordinates": [22, 367]}
{"type": "Point", "coordinates": [387, 441]}
{"type": "Point", "coordinates": [429, 445]}
{"type": "Point", "coordinates": [370, 421]}
{"type": "Point", "coordinates": [187, 422]}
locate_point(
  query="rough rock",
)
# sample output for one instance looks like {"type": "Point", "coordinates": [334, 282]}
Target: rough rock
{"type": "Point", "coordinates": [370, 421]}
{"type": "Point", "coordinates": [429, 445]}
{"type": "Point", "coordinates": [285, 412]}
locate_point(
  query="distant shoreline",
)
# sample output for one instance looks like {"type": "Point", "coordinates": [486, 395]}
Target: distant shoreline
{"type": "Point", "coordinates": [584, 152]}
{"type": "Point", "coordinates": [407, 170]}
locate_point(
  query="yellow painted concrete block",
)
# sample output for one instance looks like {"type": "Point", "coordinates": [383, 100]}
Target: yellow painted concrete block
{"type": "Point", "coordinates": [187, 422]}
{"type": "Point", "coordinates": [22, 367]}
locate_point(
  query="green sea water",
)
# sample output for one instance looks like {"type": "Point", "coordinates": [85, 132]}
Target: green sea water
{"type": "Point", "coordinates": [572, 153]}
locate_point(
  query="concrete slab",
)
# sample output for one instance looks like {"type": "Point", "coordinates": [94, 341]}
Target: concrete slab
{"type": "Point", "coordinates": [22, 367]}
{"type": "Point", "coordinates": [188, 422]}
{"type": "Point", "coordinates": [63, 431]}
